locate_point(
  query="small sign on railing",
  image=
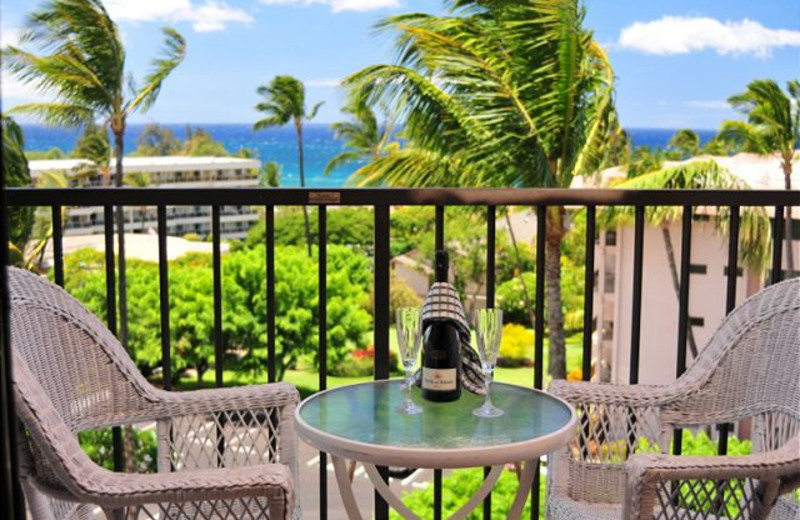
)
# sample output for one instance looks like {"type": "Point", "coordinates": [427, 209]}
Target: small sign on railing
{"type": "Point", "coordinates": [324, 197]}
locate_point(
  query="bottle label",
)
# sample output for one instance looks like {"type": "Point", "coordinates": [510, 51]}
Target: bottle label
{"type": "Point", "coordinates": [439, 379]}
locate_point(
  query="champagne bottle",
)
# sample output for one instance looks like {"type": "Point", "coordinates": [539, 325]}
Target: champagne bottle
{"type": "Point", "coordinates": [441, 355]}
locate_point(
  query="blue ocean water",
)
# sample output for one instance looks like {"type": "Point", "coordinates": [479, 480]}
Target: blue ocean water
{"type": "Point", "coordinates": [280, 145]}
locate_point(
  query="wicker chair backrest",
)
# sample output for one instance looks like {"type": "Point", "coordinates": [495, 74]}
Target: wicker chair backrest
{"type": "Point", "coordinates": [749, 369]}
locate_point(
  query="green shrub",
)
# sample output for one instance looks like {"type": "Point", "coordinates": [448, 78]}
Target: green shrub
{"type": "Point", "coordinates": [516, 347]}
{"type": "Point", "coordinates": [459, 486]}
{"type": "Point", "coordinates": [98, 445]}
{"type": "Point", "coordinates": [511, 299]}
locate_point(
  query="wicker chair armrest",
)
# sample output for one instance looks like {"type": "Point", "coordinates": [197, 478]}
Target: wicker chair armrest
{"type": "Point", "coordinates": [112, 490]}
{"type": "Point", "coordinates": [633, 396]}
{"type": "Point", "coordinates": [252, 397]}
{"type": "Point", "coordinates": [647, 473]}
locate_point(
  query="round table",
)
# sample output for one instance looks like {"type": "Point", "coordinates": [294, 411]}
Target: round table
{"type": "Point", "coordinates": [359, 422]}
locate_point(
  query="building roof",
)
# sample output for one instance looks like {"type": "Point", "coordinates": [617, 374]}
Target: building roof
{"type": "Point", "coordinates": [172, 163]}
{"type": "Point", "coordinates": [758, 171]}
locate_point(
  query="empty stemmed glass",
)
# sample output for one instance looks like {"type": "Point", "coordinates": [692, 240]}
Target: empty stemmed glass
{"type": "Point", "coordinates": [489, 330]}
{"type": "Point", "coordinates": [409, 338]}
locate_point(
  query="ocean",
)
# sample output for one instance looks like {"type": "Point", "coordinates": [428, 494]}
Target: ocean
{"type": "Point", "coordinates": [279, 144]}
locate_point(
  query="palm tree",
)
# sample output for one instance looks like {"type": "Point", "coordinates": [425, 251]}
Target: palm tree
{"type": "Point", "coordinates": [285, 102]}
{"type": "Point", "coordinates": [772, 128]}
{"type": "Point", "coordinates": [497, 94]}
{"type": "Point", "coordinates": [17, 174]}
{"type": "Point", "coordinates": [684, 143]}
{"type": "Point", "coordinates": [270, 174]}
{"type": "Point", "coordinates": [365, 138]}
{"type": "Point", "coordinates": [82, 68]}
{"type": "Point", "coordinates": [95, 147]}
{"type": "Point", "coordinates": [754, 229]}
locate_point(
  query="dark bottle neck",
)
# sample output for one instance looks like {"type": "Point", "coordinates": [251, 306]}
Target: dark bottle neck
{"type": "Point", "coordinates": [442, 264]}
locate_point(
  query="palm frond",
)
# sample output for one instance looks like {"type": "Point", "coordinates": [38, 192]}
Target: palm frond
{"type": "Point", "coordinates": [174, 53]}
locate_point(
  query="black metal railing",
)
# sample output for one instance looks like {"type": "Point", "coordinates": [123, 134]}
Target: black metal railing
{"type": "Point", "coordinates": [381, 201]}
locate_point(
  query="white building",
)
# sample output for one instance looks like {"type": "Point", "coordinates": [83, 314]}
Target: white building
{"type": "Point", "coordinates": [174, 172]}
{"type": "Point", "coordinates": [707, 284]}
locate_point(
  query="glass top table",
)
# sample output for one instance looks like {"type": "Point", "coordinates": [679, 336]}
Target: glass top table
{"type": "Point", "coordinates": [360, 422]}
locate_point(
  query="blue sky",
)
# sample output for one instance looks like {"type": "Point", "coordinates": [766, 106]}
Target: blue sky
{"type": "Point", "coordinates": [676, 60]}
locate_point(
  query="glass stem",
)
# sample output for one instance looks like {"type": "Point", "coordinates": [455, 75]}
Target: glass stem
{"type": "Point", "coordinates": [487, 380]}
{"type": "Point", "coordinates": [409, 375]}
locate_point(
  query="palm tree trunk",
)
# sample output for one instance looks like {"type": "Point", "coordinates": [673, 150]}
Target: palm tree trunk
{"type": "Point", "coordinates": [673, 270]}
{"type": "Point", "coordinates": [787, 233]}
{"type": "Point", "coordinates": [557, 364]}
{"type": "Point", "coordinates": [299, 127]}
{"type": "Point", "coordinates": [120, 218]}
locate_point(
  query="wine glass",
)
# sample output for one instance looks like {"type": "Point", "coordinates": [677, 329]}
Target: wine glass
{"type": "Point", "coordinates": [409, 338]}
{"type": "Point", "coordinates": [489, 330]}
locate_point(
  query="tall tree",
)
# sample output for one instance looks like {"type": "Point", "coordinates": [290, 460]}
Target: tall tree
{"type": "Point", "coordinates": [772, 128]}
{"type": "Point", "coordinates": [157, 140]}
{"type": "Point", "coordinates": [497, 94]}
{"type": "Point", "coordinates": [365, 138]}
{"type": "Point", "coordinates": [285, 102]}
{"type": "Point", "coordinates": [698, 175]}
{"type": "Point", "coordinates": [95, 147]}
{"type": "Point", "coordinates": [80, 65]}
{"type": "Point", "coordinates": [683, 144]}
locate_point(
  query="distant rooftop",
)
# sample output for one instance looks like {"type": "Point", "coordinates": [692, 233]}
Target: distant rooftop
{"type": "Point", "coordinates": [758, 171]}
{"type": "Point", "coordinates": [171, 163]}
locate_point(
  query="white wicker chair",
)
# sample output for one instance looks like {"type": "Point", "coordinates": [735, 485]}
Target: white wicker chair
{"type": "Point", "coordinates": [222, 454]}
{"type": "Point", "coordinates": [749, 369]}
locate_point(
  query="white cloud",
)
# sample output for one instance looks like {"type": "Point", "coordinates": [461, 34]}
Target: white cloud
{"type": "Point", "coordinates": [708, 104]}
{"type": "Point", "coordinates": [682, 35]}
{"type": "Point", "coordinates": [340, 5]}
{"type": "Point", "coordinates": [210, 16]}
{"type": "Point", "coordinates": [323, 82]}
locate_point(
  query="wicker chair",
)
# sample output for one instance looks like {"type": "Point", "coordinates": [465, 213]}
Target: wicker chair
{"type": "Point", "coordinates": [750, 369]}
{"type": "Point", "coordinates": [222, 454]}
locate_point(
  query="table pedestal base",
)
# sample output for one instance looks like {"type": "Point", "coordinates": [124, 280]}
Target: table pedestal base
{"type": "Point", "coordinates": [346, 491]}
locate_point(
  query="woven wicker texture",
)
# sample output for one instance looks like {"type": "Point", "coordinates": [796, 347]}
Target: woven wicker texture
{"type": "Point", "coordinates": [617, 464]}
{"type": "Point", "coordinates": [222, 454]}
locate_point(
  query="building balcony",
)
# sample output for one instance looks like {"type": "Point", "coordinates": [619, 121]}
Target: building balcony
{"type": "Point", "coordinates": [634, 319]}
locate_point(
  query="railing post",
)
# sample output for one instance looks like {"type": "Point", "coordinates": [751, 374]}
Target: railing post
{"type": "Point", "coordinates": [538, 339]}
{"type": "Point", "coordinates": [322, 352]}
{"type": "Point", "coordinates": [382, 320]}
{"type": "Point", "coordinates": [14, 507]}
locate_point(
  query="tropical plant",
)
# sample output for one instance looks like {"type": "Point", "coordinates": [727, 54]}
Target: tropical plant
{"type": "Point", "coordinates": [270, 174]}
{"type": "Point", "coordinates": [365, 138]}
{"type": "Point", "coordinates": [31, 253]}
{"type": "Point", "coordinates": [285, 102]}
{"type": "Point", "coordinates": [81, 67]}
{"type": "Point", "coordinates": [157, 140]}
{"type": "Point", "coordinates": [93, 145]}
{"type": "Point", "coordinates": [17, 174]}
{"type": "Point", "coordinates": [683, 144]}
{"type": "Point", "coordinates": [754, 230]}
{"type": "Point", "coordinates": [200, 143]}
{"type": "Point", "coordinates": [772, 128]}
{"type": "Point", "coordinates": [497, 94]}
{"type": "Point", "coordinates": [53, 153]}
{"type": "Point", "coordinates": [643, 160]}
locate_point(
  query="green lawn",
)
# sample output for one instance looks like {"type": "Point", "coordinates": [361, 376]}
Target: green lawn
{"type": "Point", "coordinates": [307, 379]}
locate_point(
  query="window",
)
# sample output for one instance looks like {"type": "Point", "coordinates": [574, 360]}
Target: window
{"type": "Point", "coordinates": [697, 269]}
{"type": "Point", "coordinates": [611, 238]}
{"type": "Point", "coordinates": [608, 330]}
{"type": "Point", "coordinates": [696, 322]}
{"type": "Point", "coordinates": [610, 275]}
